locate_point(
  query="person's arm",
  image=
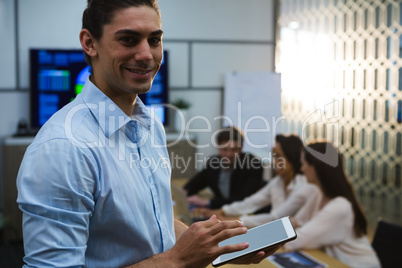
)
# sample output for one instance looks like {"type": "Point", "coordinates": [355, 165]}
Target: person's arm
{"type": "Point", "coordinates": [198, 201]}
{"type": "Point", "coordinates": [206, 213]}
{"type": "Point", "coordinates": [56, 191]}
{"type": "Point", "coordinates": [179, 228]}
{"type": "Point", "coordinates": [304, 195]}
{"type": "Point", "coordinates": [198, 246]}
{"type": "Point", "coordinates": [309, 208]}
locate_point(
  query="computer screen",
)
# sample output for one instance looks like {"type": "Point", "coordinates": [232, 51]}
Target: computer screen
{"type": "Point", "coordinates": [58, 75]}
{"type": "Point", "coordinates": [157, 96]}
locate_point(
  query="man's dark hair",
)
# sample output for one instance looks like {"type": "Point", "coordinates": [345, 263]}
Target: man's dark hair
{"type": "Point", "coordinates": [230, 134]}
{"type": "Point", "coordinates": [101, 12]}
{"type": "Point", "coordinates": [291, 146]}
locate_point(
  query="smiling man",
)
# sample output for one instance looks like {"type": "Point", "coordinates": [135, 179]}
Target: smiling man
{"type": "Point", "coordinates": [128, 56]}
{"type": "Point", "coordinates": [84, 202]}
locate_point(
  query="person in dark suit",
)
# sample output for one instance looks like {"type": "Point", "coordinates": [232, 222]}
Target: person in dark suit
{"type": "Point", "coordinates": [231, 175]}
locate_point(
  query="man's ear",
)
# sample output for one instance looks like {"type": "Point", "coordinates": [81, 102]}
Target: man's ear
{"type": "Point", "coordinates": [88, 43]}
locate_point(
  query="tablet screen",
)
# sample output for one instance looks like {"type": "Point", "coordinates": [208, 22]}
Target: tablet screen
{"type": "Point", "coordinates": [258, 238]}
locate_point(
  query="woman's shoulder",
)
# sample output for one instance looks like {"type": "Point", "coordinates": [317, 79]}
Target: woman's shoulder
{"type": "Point", "coordinates": [340, 205]}
{"type": "Point", "coordinates": [307, 189]}
{"type": "Point", "coordinates": [300, 184]}
{"type": "Point", "coordinates": [340, 201]}
{"type": "Point", "coordinates": [273, 185]}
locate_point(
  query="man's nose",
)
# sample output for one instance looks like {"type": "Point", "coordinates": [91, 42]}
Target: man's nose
{"type": "Point", "coordinates": [143, 52]}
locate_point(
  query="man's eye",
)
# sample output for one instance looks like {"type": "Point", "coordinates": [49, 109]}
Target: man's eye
{"type": "Point", "coordinates": [155, 41]}
{"type": "Point", "coordinates": [127, 40]}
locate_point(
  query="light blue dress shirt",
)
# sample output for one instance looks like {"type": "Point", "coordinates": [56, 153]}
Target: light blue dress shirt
{"type": "Point", "coordinates": [94, 186]}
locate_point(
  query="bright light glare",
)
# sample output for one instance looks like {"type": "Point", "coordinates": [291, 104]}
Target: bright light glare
{"type": "Point", "coordinates": [293, 25]}
{"type": "Point", "coordinates": [306, 67]}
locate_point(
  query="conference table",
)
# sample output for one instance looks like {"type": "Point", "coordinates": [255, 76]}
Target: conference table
{"type": "Point", "coordinates": [316, 253]}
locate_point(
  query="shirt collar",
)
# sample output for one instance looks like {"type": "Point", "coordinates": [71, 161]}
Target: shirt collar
{"type": "Point", "coordinates": [109, 116]}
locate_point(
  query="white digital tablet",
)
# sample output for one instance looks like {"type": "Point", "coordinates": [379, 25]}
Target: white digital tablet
{"type": "Point", "coordinates": [259, 238]}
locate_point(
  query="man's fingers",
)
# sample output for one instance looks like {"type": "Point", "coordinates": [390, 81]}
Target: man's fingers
{"type": "Point", "coordinates": [212, 221]}
{"type": "Point", "coordinates": [225, 229]}
{"type": "Point", "coordinates": [251, 258]}
{"type": "Point", "coordinates": [258, 256]}
{"type": "Point", "coordinates": [232, 248]}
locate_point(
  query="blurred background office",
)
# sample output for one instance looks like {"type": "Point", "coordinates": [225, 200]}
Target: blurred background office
{"type": "Point", "coordinates": [339, 62]}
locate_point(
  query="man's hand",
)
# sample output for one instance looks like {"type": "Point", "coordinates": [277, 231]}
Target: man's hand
{"type": "Point", "coordinates": [198, 246]}
{"type": "Point", "coordinates": [257, 257]}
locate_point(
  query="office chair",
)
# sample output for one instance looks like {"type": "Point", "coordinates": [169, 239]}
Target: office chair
{"type": "Point", "coordinates": [387, 242]}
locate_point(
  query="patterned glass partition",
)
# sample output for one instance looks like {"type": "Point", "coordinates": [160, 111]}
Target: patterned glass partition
{"type": "Point", "coordinates": [341, 72]}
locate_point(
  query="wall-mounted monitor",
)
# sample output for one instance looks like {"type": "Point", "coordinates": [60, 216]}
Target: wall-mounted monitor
{"type": "Point", "coordinates": [58, 75]}
{"type": "Point", "coordinates": [157, 96]}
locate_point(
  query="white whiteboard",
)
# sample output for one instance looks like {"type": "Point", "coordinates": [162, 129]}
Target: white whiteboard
{"type": "Point", "coordinates": [252, 102]}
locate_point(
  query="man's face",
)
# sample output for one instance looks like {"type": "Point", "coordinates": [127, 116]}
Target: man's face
{"type": "Point", "coordinates": [130, 52]}
{"type": "Point", "coordinates": [228, 151]}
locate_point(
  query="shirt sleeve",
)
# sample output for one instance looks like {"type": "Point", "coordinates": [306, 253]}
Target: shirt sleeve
{"type": "Point", "coordinates": [329, 226]}
{"type": "Point", "coordinates": [250, 204]}
{"type": "Point", "coordinates": [56, 193]}
{"type": "Point", "coordinates": [288, 208]}
{"type": "Point", "coordinates": [295, 201]}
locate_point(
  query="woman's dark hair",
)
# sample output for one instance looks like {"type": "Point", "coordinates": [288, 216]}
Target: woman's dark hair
{"type": "Point", "coordinates": [329, 169]}
{"type": "Point", "coordinates": [291, 146]}
{"type": "Point", "coordinates": [230, 134]}
{"type": "Point", "coordinates": [101, 12]}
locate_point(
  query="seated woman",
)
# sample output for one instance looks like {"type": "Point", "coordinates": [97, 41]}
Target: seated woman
{"type": "Point", "coordinates": [286, 192]}
{"type": "Point", "coordinates": [338, 223]}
